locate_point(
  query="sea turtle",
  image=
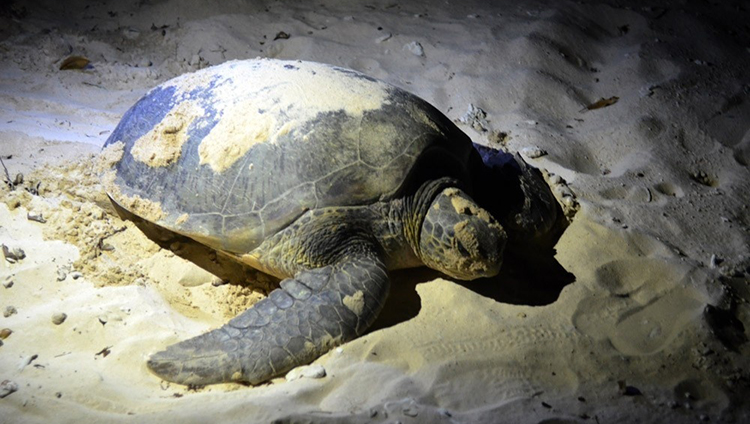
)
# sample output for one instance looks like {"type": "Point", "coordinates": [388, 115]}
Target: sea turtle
{"type": "Point", "coordinates": [323, 177]}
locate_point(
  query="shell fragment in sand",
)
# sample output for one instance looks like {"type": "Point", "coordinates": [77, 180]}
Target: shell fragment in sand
{"type": "Point", "coordinates": [306, 371]}
{"type": "Point", "coordinates": [601, 103]}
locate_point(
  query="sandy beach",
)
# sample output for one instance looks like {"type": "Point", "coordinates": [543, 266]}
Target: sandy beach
{"type": "Point", "coordinates": [638, 115]}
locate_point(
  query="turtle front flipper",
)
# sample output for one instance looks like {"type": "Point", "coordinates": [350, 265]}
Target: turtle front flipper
{"type": "Point", "coordinates": [311, 313]}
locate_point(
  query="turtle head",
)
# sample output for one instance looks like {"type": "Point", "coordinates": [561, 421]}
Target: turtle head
{"type": "Point", "coordinates": [461, 239]}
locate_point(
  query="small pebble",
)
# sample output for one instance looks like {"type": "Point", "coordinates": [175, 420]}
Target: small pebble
{"type": "Point", "coordinates": [62, 273]}
{"type": "Point", "coordinates": [533, 152]}
{"type": "Point", "coordinates": [103, 319]}
{"type": "Point", "coordinates": [411, 411]}
{"type": "Point", "coordinates": [5, 333]}
{"type": "Point", "coordinates": [648, 90]}
{"type": "Point", "coordinates": [627, 390]}
{"type": "Point", "coordinates": [415, 48]}
{"type": "Point", "coordinates": [7, 387]}
{"type": "Point", "coordinates": [217, 282]}
{"type": "Point", "coordinates": [8, 284]}
{"type": "Point", "coordinates": [306, 371]}
{"type": "Point", "coordinates": [37, 217]}
{"type": "Point", "coordinates": [76, 275]}
{"type": "Point", "coordinates": [13, 255]}
{"type": "Point", "coordinates": [383, 38]}
{"type": "Point", "coordinates": [475, 117]}
{"type": "Point", "coordinates": [131, 33]}
{"type": "Point", "coordinates": [555, 180]}
{"type": "Point", "coordinates": [9, 310]}
{"type": "Point", "coordinates": [59, 318]}
{"type": "Point", "coordinates": [444, 412]}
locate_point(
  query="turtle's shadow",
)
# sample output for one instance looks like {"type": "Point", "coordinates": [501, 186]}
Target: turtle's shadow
{"type": "Point", "coordinates": [523, 280]}
{"type": "Point", "coordinates": [530, 274]}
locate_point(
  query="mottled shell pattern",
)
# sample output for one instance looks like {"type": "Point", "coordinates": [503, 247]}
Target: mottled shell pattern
{"type": "Point", "coordinates": [231, 154]}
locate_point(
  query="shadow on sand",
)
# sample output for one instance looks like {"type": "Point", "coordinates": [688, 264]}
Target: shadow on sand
{"type": "Point", "coordinates": [523, 280]}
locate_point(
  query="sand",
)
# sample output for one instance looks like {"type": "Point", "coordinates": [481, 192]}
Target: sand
{"type": "Point", "coordinates": [640, 115]}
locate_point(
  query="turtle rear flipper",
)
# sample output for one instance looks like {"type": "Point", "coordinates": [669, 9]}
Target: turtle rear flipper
{"type": "Point", "coordinates": [306, 317]}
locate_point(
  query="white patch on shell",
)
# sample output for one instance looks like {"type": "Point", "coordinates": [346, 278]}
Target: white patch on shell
{"type": "Point", "coordinates": [104, 166]}
{"type": "Point", "coordinates": [181, 219]}
{"type": "Point", "coordinates": [258, 101]}
{"type": "Point", "coordinates": [162, 145]}
{"type": "Point", "coordinates": [355, 302]}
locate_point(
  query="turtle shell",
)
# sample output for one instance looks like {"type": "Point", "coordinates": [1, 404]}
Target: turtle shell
{"type": "Point", "coordinates": [231, 154]}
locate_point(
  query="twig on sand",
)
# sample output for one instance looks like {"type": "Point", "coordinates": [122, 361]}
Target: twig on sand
{"type": "Point", "coordinates": [7, 175]}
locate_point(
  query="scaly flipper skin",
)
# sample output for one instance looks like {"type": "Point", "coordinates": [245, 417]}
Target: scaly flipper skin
{"type": "Point", "coordinates": [306, 317]}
